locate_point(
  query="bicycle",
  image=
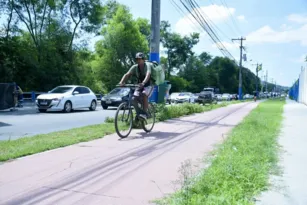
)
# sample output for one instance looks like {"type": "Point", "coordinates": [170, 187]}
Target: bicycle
{"type": "Point", "coordinates": [128, 121]}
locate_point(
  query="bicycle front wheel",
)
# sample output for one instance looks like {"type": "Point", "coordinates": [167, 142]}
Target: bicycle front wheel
{"type": "Point", "coordinates": [148, 124]}
{"type": "Point", "coordinates": [123, 120]}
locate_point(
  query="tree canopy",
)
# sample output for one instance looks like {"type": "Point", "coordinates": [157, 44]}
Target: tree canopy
{"type": "Point", "coordinates": [44, 44]}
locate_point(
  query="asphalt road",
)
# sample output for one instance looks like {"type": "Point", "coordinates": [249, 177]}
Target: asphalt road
{"type": "Point", "coordinates": [27, 121]}
{"type": "Point", "coordinates": [132, 171]}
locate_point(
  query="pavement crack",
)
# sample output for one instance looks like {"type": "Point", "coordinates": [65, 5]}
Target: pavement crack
{"type": "Point", "coordinates": [80, 192]}
{"type": "Point", "coordinates": [70, 165]}
{"type": "Point", "coordinates": [158, 187]}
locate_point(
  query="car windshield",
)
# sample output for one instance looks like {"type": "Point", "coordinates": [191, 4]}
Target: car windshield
{"type": "Point", "coordinates": [120, 91]}
{"type": "Point", "coordinates": [184, 94]}
{"type": "Point", "coordinates": [208, 90]}
{"type": "Point", "coordinates": [174, 94]}
{"type": "Point", "coordinates": [61, 89]}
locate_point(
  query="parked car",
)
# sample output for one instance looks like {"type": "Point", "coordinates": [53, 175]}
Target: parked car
{"type": "Point", "coordinates": [67, 98]}
{"type": "Point", "coordinates": [183, 97]}
{"type": "Point", "coordinates": [173, 97]}
{"type": "Point", "coordinates": [234, 97]}
{"type": "Point", "coordinates": [206, 96]}
{"type": "Point", "coordinates": [218, 97]}
{"type": "Point", "coordinates": [194, 97]}
{"type": "Point", "coordinates": [115, 97]}
{"type": "Point", "coordinates": [247, 96]}
{"type": "Point", "coordinates": [226, 96]}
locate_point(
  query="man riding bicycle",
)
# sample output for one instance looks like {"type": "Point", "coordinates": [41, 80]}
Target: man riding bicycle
{"type": "Point", "coordinates": [142, 71]}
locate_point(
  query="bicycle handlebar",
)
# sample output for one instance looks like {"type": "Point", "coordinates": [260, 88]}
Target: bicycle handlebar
{"type": "Point", "coordinates": [128, 85]}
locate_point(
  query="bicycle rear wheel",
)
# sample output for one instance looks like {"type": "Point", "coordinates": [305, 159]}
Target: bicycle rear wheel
{"type": "Point", "coordinates": [123, 120]}
{"type": "Point", "coordinates": [148, 124]}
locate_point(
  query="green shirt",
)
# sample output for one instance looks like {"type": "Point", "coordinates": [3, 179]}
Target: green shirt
{"type": "Point", "coordinates": [141, 73]}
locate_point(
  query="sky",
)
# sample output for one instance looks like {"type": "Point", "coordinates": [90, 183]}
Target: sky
{"type": "Point", "coordinates": [275, 31]}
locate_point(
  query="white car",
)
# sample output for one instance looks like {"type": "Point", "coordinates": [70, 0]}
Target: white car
{"type": "Point", "coordinates": [67, 98]}
{"type": "Point", "coordinates": [226, 96]}
{"type": "Point", "coordinates": [173, 97]}
{"type": "Point", "coordinates": [183, 97]}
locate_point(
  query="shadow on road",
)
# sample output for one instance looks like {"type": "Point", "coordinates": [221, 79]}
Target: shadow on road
{"type": "Point", "coordinates": [2, 124]}
{"type": "Point", "coordinates": [105, 168]}
{"type": "Point", "coordinates": [154, 135]}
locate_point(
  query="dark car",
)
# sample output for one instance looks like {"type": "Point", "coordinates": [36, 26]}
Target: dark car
{"type": "Point", "coordinates": [115, 97]}
{"type": "Point", "coordinates": [206, 97]}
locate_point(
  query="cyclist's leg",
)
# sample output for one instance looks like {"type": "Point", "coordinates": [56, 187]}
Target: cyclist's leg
{"type": "Point", "coordinates": [136, 99]}
{"type": "Point", "coordinates": [146, 93]}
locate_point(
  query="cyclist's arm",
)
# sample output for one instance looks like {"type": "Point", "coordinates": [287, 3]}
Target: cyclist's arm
{"type": "Point", "coordinates": [147, 77]}
{"type": "Point", "coordinates": [127, 75]}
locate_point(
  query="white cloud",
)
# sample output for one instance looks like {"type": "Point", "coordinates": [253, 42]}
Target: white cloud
{"type": "Point", "coordinates": [268, 35]}
{"type": "Point", "coordinates": [215, 13]}
{"type": "Point", "coordinates": [298, 18]}
{"type": "Point", "coordinates": [301, 59]}
{"type": "Point", "coordinates": [241, 18]}
{"type": "Point", "coordinates": [285, 27]}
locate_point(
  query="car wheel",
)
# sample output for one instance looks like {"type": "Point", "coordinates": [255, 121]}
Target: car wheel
{"type": "Point", "coordinates": [42, 110]}
{"type": "Point", "coordinates": [93, 105]}
{"type": "Point", "coordinates": [67, 107]}
{"type": "Point", "coordinates": [105, 107]}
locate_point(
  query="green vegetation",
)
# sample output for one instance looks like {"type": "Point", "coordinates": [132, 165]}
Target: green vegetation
{"type": "Point", "coordinates": [44, 44]}
{"type": "Point", "coordinates": [242, 164]}
{"type": "Point", "coordinates": [39, 143]}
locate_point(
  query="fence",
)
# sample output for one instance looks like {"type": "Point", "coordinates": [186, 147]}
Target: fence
{"type": "Point", "coordinates": [299, 88]}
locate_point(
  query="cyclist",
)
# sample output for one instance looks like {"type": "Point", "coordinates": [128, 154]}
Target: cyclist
{"type": "Point", "coordinates": [255, 96]}
{"type": "Point", "coordinates": [142, 71]}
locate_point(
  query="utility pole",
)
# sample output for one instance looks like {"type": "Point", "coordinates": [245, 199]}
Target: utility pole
{"type": "Point", "coordinates": [155, 31]}
{"type": "Point", "coordinates": [262, 81]}
{"type": "Point", "coordinates": [275, 86]}
{"type": "Point", "coordinates": [257, 70]}
{"type": "Point", "coordinates": [266, 81]}
{"type": "Point", "coordinates": [240, 72]}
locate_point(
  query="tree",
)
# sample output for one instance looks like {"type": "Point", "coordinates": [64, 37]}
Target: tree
{"type": "Point", "coordinates": [179, 84]}
{"type": "Point", "coordinates": [89, 15]}
{"type": "Point", "coordinates": [122, 40]}
{"type": "Point", "coordinates": [144, 28]}
{"type": "Point", "coordinates": [206, 58]}
{"type": "Point", "coordinates": [227, 74]}
{"type": "Point", "coordinates": [178, 48]}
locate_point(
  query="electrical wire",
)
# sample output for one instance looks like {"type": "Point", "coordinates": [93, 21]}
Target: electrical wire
{"type": "Point", "coordinates": [191, 6]}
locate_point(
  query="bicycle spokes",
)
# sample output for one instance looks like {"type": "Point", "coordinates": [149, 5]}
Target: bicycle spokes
{"type": "Point", "coordinates": [123, 120]}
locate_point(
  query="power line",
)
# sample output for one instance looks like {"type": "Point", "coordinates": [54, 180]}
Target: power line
{"type": "Point", "coordinates": [190, 7]}
{"type": "Point", "coordinates": [224, 48]}
{"type": "Point", "coordinates": [231, 16]}
{"type": "Point", "coordinates": [231, 28]}
{"type": "Point", "coordinates": [180, 10]}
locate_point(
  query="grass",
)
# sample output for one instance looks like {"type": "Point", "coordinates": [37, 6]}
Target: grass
{"type": "Point", "coordinates": [242, 164]}
{"type": "Point", "coordinates": [39, 143]}
{"type": "Point", "coordinates": [13, 149]}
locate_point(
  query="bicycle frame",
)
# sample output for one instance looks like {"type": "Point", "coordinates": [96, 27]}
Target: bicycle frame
{"type": "Point", "coordinates": [127, 106]}
{"type": "Point", "coordinates": [131, 91]}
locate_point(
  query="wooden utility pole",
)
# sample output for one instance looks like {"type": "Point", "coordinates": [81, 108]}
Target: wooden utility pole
{"type": "Point", "coordinates": [240, 72]}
